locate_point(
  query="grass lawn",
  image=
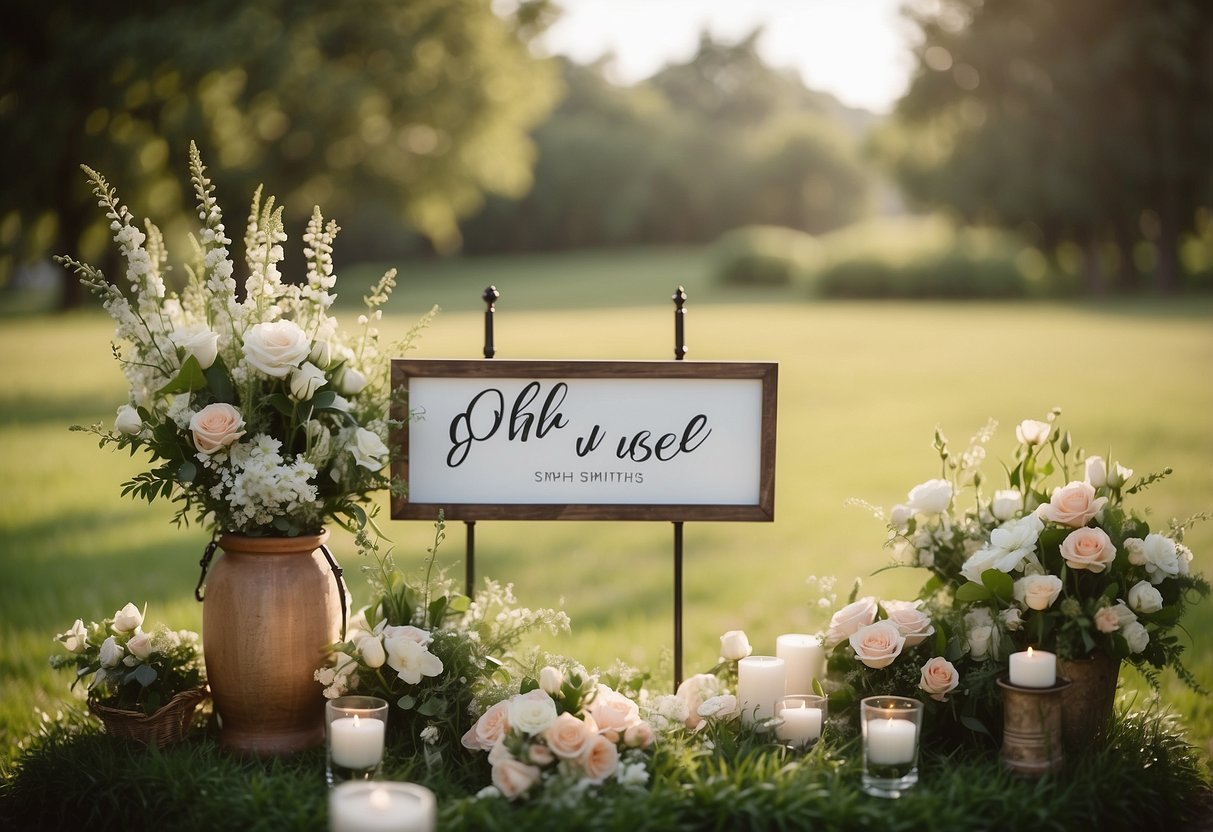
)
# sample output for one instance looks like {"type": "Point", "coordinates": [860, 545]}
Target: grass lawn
{"type": "Point", "coordinates": [862, 388]}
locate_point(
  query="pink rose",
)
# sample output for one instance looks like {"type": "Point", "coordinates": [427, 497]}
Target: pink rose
{"type": "Point", "coordinates": [600, 759]}
{"type": "Point", "coordinates": [1089, 549]}
{"type": "Point", "coordinates": [693, 691]}
{"type": "Point", "coordinates": [216, 426]}
{"type": "Point", "coordinates": [410, 632]}
{"type": "Point", "coordinates": [613, 712]}
{"type": "Point", "coordinates": [939, 678]}
{"type": "Point", "coordinates": [492, 726]}
{"type": "Point", "coordinates": [540, 754]}
{"type": "Point", "coordinates": [1073, 504]}
{"type": "Point", "coordinates": [567, 736]}
{"type": "Point", "coordinates": [849, 619]}
{"type": "Point", "coordinates": [639, 735]}
{"type": "Point", "coordinates": [877, 645]}
{"type": "Point", "coordinates": [912, 622]}
{"type": "Point", "coordinates": [512, 778]}
{"type": "Point", "coordinates": [1106, 620]}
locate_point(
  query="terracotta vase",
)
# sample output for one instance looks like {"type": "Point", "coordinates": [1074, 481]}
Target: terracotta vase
{"type": "Point", "coordinates": [1087, 704]}
{"type": "Point", "coordinates": [271, 612]}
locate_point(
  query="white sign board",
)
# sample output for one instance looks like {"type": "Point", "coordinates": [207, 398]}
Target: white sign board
{"type": "Point", "coordinates": [586, 440]}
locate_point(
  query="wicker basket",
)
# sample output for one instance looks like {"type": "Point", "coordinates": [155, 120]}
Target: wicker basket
{"type": "Point", "coordinates": [165, 726]}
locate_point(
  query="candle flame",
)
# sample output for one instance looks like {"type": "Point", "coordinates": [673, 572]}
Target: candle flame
{"type": "Point", "coordinates": [356, 715]}
{"type": "Point", "coordinates": [1029, 653]}
{"type": "Point", "coordinates": [380, 799]}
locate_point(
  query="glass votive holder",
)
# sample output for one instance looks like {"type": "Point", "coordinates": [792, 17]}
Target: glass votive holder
{"type": "Point", "coordinates": [891, 728]}
{"type": "Point", "coordinates": [354, 728]}
{"type": "Point", "coordinates": [382, 806]}
{"type": "Point", "coordinates": [801, 720]}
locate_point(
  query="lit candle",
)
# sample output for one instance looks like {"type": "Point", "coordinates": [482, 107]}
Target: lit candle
{"type": "Point", "coordinates": [761, 681]}
{"type": "Point", "coordinates": [1033, 669]}
{"type": "Point", "coordinates": [800, 726]}
{"type": "Point", "coordinates": [356, 743]}
{"type": "Point", "coordinates": [804, 658]}
{"type": "Point", "coordinates": [891, 742]}
{"type": "Point", "coordinates": [360, 806]}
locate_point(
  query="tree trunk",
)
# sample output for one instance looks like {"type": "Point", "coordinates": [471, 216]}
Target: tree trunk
{"type": "Point", "coordinates": [1127, 278]}
{"type": "Point", "coordinates": [1166, 271]}
{"type": "Point", "coordinates": [1092, 267]}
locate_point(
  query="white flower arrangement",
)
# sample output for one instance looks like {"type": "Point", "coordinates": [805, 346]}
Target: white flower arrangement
{"type": "Point", "coordinates": [260, 415]}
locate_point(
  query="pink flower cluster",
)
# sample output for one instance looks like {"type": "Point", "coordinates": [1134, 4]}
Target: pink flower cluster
{"type": "Point", "coordinates": [526, 738]}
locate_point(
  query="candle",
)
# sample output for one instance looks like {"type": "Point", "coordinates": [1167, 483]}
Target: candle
{"type": "Point", "coordinates": [804, 659]}
{"type": "Point", "coordinates": [800, 726]}
{"type": "Point", "coordinates": [761, 681]}
{"type": "Point", "coordinates": [380, 806]}
{"type": "Point", "coordinates": [890, 741]}
{"type": "Point", "coordinates": [1033, 669]}
{"type": "Point", "coordinates": [356, 743]}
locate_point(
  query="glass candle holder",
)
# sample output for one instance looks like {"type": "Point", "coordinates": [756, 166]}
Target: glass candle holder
{"type": "Point", "coordinates": [801, 719]}
{"type": "Point", "coordinates": [382, 806]}
{"type": "Point", "coordinates": [354, 728]}
{"type": "Point", "coordinates": [891, 728]}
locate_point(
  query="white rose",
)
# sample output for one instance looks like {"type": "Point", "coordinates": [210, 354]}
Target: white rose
{"type": "Point", "coordinates": [723, 706]}
{"type": "Point", "coordinates": [551, 680]}
{"type": "Point", "coordinates": [1006, 503]}
{"type": "Point", "coordinates": [930, 497]}
{"type": "Point", "coordinates": [306, 380]}
{"type": "Point", "coordinates": [352, 382]}
{"type": "Point", "coordinates": [900, 516]}
{"type": "Point", "coordinates": [111, 652]}
{"type": "Point", "coordinates": [372, 651]}
{"type": "Point", "coordinates": [141, 646]}
{"type": "Point", "coordinates": [1096, 471]}
{"type": "Point", "coordinates": [128, 618]}
{"type": "Point", "coordinates": [532, 713]}
{"type": "Point", "coordinates": [734, 646]}
{"type": "Point", "coordinates": [693, 691]}
{"type": "Point", "coordinates": [1012, 619]}
{"type": "Point", "coordinates": [75, 639]}
{"type": "Point", "coordinates": [1136, 635]}
{"type": "Point", "coordinates": [1037, 592]}
{"type": "Point", "coordinates": [850, 618]}
{"type": "Point", "coordinates": [215, 427]}
{"type": "Point", "coordinates": [1157, 553]}
{"type": "Point", "coordinates": [1032, 432]}
{"type": "Point", "coordinates": [1010, 545]}
{"type": "Point", "coordinates": [198, 341]}
{"type": "Point", "coordinates": [368, 449]}
{"type": "Point", "coordinates": [127, 421]}
{"type": "Point", "coordinates": [1119, 475]}
{"type": "Point", "coordinates": [1144, 598]}
{"type": "Point", "coordinates": [877, 645]}
{"type": "Point", "coordinates": [275, 347]}
{"type": "Point", "coordinates": [1184, 557]}
{"type": "Point", "coordinates": [979, 623]}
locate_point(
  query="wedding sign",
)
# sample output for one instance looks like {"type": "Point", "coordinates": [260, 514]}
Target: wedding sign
{"type": "Point", "coordinates": [585, 440]}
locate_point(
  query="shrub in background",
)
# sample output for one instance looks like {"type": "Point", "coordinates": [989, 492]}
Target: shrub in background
{"type": "Point", "coordinates": [765, 255]}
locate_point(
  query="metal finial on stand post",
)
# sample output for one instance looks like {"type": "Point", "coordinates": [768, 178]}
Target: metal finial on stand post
{"type": "Point", "coordinates": [680, 351]}
{"type": "Point", "coordinates": [490, 298]}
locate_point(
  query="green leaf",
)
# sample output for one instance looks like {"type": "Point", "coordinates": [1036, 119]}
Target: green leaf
{"type": "Point", "coordinates": [972, 591]}
{"type": "Point", "coordinates": [187, 471]}
{"type": "Point", "coordinates": [817, 688]}
{"type": "Point", "coordinates": [188, 380]}
{"type": "Point", "coordinates": [406, 703]}
{"type": "Point", "coordinates": [528, 685]}
{"type": "Point", "coordinates": [281, 403]}
{"type": "Point", "coordinates": [459, 603]}
{"type": "Point", "coordinates": [432, 706]}
{"type": "Point", "coordinates": [220, 382]}
{"type": "Point", "coordinates": [974, 725]}
{"type": "Point", "coordinates": [1166, 617]}
{"type": "Point", "coordinates": [145, 674]}
{"type": "Point", "coordinates": [323, 400]}
{"type": "Point", "coordinates": [999, 583]}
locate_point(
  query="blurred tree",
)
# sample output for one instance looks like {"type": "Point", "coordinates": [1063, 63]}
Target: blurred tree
{"type": "Point", "coordinates": [1088, 122]}
{"type": "Point", "coordinates": [366, 107]}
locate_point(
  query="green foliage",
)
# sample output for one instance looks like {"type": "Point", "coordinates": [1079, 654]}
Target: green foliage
{"type": "Point", "coordinates": [765, 256]}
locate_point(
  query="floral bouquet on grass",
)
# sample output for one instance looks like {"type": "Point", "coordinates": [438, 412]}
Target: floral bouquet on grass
{"type": "Point", "coordinates": [432, 652]}
{"type": "Point", "coordinates": [132, 669]}
{"type": "Point", "coordinates": [260, 415]}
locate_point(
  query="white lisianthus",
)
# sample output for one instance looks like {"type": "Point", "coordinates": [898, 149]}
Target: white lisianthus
{"type": "Point", "coordinates": [735, 646]}
{"type": "Point", "coordinates": [1037, 592]}
{"type": "Point", "coordinates": [1032, 432]}
{"type": "Point", "coordinates": [1136, 635]}
{"type": "Point", "coordinates": [1096, 472]}
{"type": "Point", "coordinates": [75, 639]}
{"type": "Point", "coordinates": [1157, 553]}
{"type": "Point", "coordinates": [551, 680]}
{"type": "Point", "coordinates": [127, 422]}
{"type": "Point", "coordinates": [723, 706]}
{"type": "Point", "coordinates": [410, 660]}
{"type": "Point", "coordinates": [368, 449]}
{"type": "Point", "coordinates": [322, 353]}
{"type": "Point", "coordinates": [198, 341]}
{"type": "Point", "coordinates": [930, 497]}
{"type": "Point", "coordinates": [1006, 503]}
{"type": "Point", "coordinates": [1144, 598]}
{"type": "Point", "coordinates": [372, 651]}
{"type": "Point", "coordinates": [1119, 475]}
{"type": "Point", "coordinates": [532, 712]}
{"type": "Point", "coordinates": [275, 347]}
{"type": "Point", "coordinates": [352, 382]}
{"type": "Point", "coordinates": [128, 618]}
{"type": "Point", "coordinates": [306, 380]}
{"type": "Point", "coordinates": [900, 516]}
{"type": "Point", "coordinates": [1010, 545]}
{"type": "Point", "coordinates": [111, 652]}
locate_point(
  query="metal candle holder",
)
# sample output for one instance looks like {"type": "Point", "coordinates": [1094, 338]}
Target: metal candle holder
{"type": "Point", "coordinates": [1032, 740]}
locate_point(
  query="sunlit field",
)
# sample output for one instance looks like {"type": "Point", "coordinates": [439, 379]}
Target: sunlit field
{"type": "Point", "coordinates": [862, 388]}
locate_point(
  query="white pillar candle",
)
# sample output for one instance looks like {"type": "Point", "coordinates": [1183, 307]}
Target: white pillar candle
{"type": "Point", "coordinates": [381, 806]}
{"type": "Point", "coordinates": [1033, 669]}
{"type": "Point", "coordinates": [891, 742]}
{"type": "Point", "coordinates": [800, 726]}
{"type": "Point", "coordinates": [804, 659]}
{"type": "Point", "coordinates": [761, 681]}
{"type": "Point", "coordinates": [356, 743]}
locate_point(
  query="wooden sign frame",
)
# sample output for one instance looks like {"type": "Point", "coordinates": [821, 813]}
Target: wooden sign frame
{"type": "Point", "coordinates": [762, 509]}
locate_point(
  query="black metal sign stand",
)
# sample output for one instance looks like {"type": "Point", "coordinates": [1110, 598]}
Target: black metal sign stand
{"type": "Point", "coordinates": [490, 297]}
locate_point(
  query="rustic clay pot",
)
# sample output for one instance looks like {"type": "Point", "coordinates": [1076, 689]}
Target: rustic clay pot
{"type": "Point", "coordinates": [1086, 705]}
{"type": "Point", "coordinates": [271, 613]}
